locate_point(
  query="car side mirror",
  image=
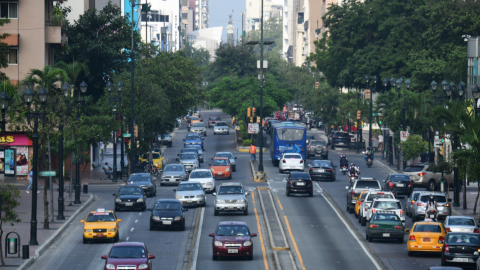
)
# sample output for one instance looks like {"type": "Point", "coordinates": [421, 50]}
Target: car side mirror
{"type": "Point", "coordinates": [174, 190]}
{"type": "Point", "coordinates": [104, 257]}
{"type": "Point", "coordinates": [210, 234]}
{"type": "Point", "coordinates": [449, 200]}
{"type": "Point", "coordinates": [246, 193]}
{"type": "Point", "coordinates": [254, 235]}
{"type": "Point", "coordinates": [407, 231]}
{"type": "Point", "coordinates": [214, 194]}
{"type": "Point", "coordinates": [119, 220]}
{"type": "Point", "coordinates": [176, 159]}
{"type": "Point", "coordinates": [346, 187]}
{"type": "Point", "coordinates": [151, 257]}
{"type": "Point", "coordinates": [235, 157]}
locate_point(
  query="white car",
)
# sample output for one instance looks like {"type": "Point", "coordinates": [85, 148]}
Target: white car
{"type": "Point", "coordinates": [291, 161]}
{"type": "Point", "coordinates": [205, 177]}
{"type": "Point", "coordinates": [221, 127]}
{"type": "Point", "coordinates": [367, 201]}
{"type": "Point", "coordinates": [387, 205]}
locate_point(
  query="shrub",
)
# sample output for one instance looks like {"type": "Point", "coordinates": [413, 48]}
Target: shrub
{"type": "Point", "coordinates": [247, 142]}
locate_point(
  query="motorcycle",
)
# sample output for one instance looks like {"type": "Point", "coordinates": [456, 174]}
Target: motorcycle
{"type": "Point", "coordinates": [432, 214]}
{"type": "Point", "coordinates": [352, 178]}
{"type": "Point", "coordinates": [344, 169]}
{"type": "Point", "coordinates": [369, 162]}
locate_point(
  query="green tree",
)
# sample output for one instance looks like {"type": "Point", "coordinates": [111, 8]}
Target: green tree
{"type": "Point", "coordinates": [413, 146]}
{"type": "Point", "coordinates": [272, 31]}
{"type": "Point", "coordinates": [10, 200]}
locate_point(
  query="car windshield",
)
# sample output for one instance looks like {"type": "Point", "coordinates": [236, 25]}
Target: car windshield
{"type": "Point", "coordinates": [385, 217]}
{"type": "Point", "coordinates": [379, 196]}
{"type": "Point", "coordinates": [130, 191]}
{"type": "Point", "coordinates": [173, 168]}
{"type": "Point", "coordinates": [321, 143]}
{"type": "Point", "coordinates": [232, 230]}
{"type": "Point", "coordinates": [221, 124]}
{"type": "Point", "coordinates": [168, 206]}
{"type": "Point", "coordinates": [367, 184]}
{"type": "Point", "coordinates": [440, 199]}
{"type": "Point", "coordinates": [195, 146]}
{"type": "Point", "coordinates": [193, 138]}
{"type": "Point", "coordinates": [321, 164]}
{"type": "Point", "coordinates": [227, 155]}
{"type": "Point", "coordinates": [100, 217]}
{"type": "Point", "coordinates": [138, 178]}
{"type": "Point", "coordinates": [197, 125]}
{"type": "Point", "coordinates": [230, 190]}
{"type": "Point", "coordinates": [189, 150]}
{"type": "Point", "coordinates": [189, 187]}
{"type": "Point", "coordinates": [290, 134]}
{"type": "Point", "coordinates": [461, 221]}
{"type": "Point", "coordinates": [398, 178]}
{"type": "Point", "coordinates": [387, 205]}
{"type": "Point", "coordinates": [201, 174]}
{"type": "Point", "coordinates": [220, 162]}
{"type": "Point", "coordinates": [292, 156]}
{"type": "Point", "coordinates": [188, 156]}
{"type": "Point", "coordinates": [127, 252]}
{"type": "Point", "coordinates": [463, 238]}
{"type": "Point", "coordinates": [214, 118]}
{"type": "Point", "coordinates": [193, 118]}
{"type": "Point", "coordinates": [427, 228]}
{"type": "Point", "coordinates": [166, 136]}
{"type": "Point", "coordinates": [299, 176]}
{"type": "Point", "coordinates": [413, 169]}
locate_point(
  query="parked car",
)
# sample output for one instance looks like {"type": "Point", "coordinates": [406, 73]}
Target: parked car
{"type": "Point", "coordinates": [199, 128]}
{"type": "Point", "coordinates": [145, 181]}
{"type": "Point", "coordinates": [399, 184]}
{"type": "Point", "coordinates": [411, 200]}
{"type": "Point", "coordinates": [322, 170]}
{"type": "Point", "coordinates": [205, 177]}
{"type": "Point", "coordinates": [221, 127]}
{"type": "Point", "coordinates": [212, 120]}
{"type": "Point", "coordinates": [230, 197]}
{"type": "Point", "coordinates": [460, 248]}
{"type": "Point", "coordinates": [291, 162]}
{"type": "Point", "coordinates": [173, 174]}
{"type": "Point", "coordinates": [165, 139]}
{"type": "Point", "coordinates": [232, 239]}
{"type": "Point", "coordinates": [460, 224]}
{"type": "Point", "coordinates": [130, 197]}
{"type": "Point", "coordinates": [189, 160]}
{"type": "Point", "coordinates": [443, 205]}
{"type": "Point", "coordinates": [128, 253]}
{"type": "Point", "coordinates": [230, 156]}
{"type": "Point", "coordinates": [424, 175]}
{"type": "Point", "coordinates": [340, 139]}
{"type": "Point", "coordinates": [190, 193]}
{"type": "Point", "coordinates": [167, 213]}
{"type": "Point", "coordinates": [317, 148]}
{"type": "Point", "coordinates": [299, 182]}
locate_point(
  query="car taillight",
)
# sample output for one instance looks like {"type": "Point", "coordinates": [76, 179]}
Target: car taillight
{"type": "Point", "coordinates": [360, 203]}
{"type": "Point", "coordinates": [421, 174]}
{"type": "Point", "coordinates": [412, 238]}
{"type": "Point", "coordinates": [410, 184]}
{"type": "Point", "coordinates": [301, 161]}
{"type": "Point", "coordinates": [401, 213]}
{"type": "Point", "coordinates": [373, 210]}
{"type": "Point", "coordinates": [373, 226]}
{"type": "Point", "coordinates": [475, 230]}
{"type": "Point", "coordinates": [311, 169]}
{"type": "Point", "coordinates": [448, 229]}
{"type": "Point", "coordinates": [330, 170]}
{"type": "Point", "coordinates": [447, 205]}
{"type": "Point", "coordinates": [352, 193]}
{"type": "Point", "coordinates": [390, 184]}
{"type": "Point", "coordinates": [399, 227]}
{"type": "Point", "coordinates": [413, 202]}
{"type": "Point", "coordinates": [284, 161]}
{"type": "Point", "coordinates": [420, 204]}
{"type": "Point", "coordinates": [447, 248]}
{"type": "Point", "coordinates": [441, 240]}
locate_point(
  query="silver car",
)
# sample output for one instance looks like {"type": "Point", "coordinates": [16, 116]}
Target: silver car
{"type": "Point", "coordinates": [230, 197]}
{"type": "Point", "coordinates": [199, 151]}
{"type": "Point", "coordinates": [190, 193]}
{"type": "Point", "coordinates": [205, 177]}
{"type": "Point", "coordinates": [189, 160]}
{"type": "Point", "coordinates": [173, 174]}
{"type": "Point", "coordinates": [230, 156]}
{"type": "Point", "coordinates": [460, 224]}
{"type": "Point", "coordinates": [221, 127]}
{"type": "Point", "coordinates": [411, 201]}
{"type": "Point", "coordinates": [443, 205]}
{"type": "Point", "coordinates": [199, 128]}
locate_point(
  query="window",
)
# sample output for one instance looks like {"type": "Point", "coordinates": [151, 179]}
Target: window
{"type": "Point", "coordinates": [288, 134]}
{"type": "Point", "coordinates": [9, 10]}
{"type": "Point", "coordinates": [12, 56]}
{"type": "Point", "coordinates": [300, 18]}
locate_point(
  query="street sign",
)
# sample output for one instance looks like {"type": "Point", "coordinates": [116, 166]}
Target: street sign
{"type": "Point", "coordinates": [403, 135]}
{"type": "Point", "coordinates": [385, 128]}
{"type": "Point", "coordinates": [437, 143]}
{"type": "Point", "coordinates": [127, 135]}
{"type": "Point", "coordinates": [253, 128]}
{"type": "Point", "coordinates": [47, 173]}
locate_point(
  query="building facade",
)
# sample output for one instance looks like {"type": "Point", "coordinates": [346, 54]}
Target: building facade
{"type": "Point", "coordinates": [160, 25]}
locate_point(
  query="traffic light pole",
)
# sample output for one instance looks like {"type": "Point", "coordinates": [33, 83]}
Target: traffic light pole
{"type": "Point", "coordinates": [370, 127]}
{"type": "Point", "coordinates": [260, 165]}
{"type": "Point", "coordinates": [456, 182]}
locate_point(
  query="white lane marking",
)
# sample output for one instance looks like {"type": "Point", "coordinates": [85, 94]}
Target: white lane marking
{"type": "Point", "coordinates": [353, 234]}
{"type": "Point", "coordinates": [320, 190]}
{"type": "Point", "coordinates": [136, 221]}
{"type": "Point", "coordinates": [127, 238]}
{"type": "Point", "coordinates": [132, 229]}
{"type": "Point", "coordinates": [140, 214]}
{"type": "Point", "coordinates": [197, 244]}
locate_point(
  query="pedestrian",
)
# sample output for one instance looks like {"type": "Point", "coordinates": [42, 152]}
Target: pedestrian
{"type": "Point", "coordinates": [380, 142]}
{"type": "Point", "coordinates": [108, 170]}
{"type": "Point", "coordinates": [253, 152]}
{"type": "Point", "coordinates": [30, 180]}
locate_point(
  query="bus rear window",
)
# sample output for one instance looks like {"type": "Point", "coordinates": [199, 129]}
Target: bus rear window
{"type": "Point", "coordinates": [289, 134]}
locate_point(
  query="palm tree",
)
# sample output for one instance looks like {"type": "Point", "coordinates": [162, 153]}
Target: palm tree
{"type": "Point", "coordinates": [73, 71]}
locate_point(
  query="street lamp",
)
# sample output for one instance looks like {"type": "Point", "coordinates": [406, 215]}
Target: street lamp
{"type": "Point", "coordinates": [61, 201]}
{"type": "Point", "coordinates": [132, 98]}
{"type": "Point", "coordinates": [114, 99]}
{"type": "Point", "coordinates": [36, 114]}
{"type": "Point", "coordinates": [370, 143]}
{"type": "Point", "coordinates": [80, 101]}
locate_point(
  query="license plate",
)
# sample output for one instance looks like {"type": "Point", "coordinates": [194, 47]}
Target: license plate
{"type": "Point", "coordinates": [220, 173]}
{"type": "Point", "coordinates": [317, 155]}
{"type": "Point", "coordinates": [320, 170]}
{"type": "Point", "coordinates": [340, 143]}
{"type": "Point", "coordinates": [173, 180]}
{"type": "Point", "coordinates": [460, 259]}
{"type": "Point", "coordinates": [400, 185]}
{"type": "Point", "coordinates": [300, 184]}
{"type": "Point", "coordinates": [232, 250]}
{"type": "Point", "coordinates": [129, 204]}
{"type": "Point", "coordinates": [99, 235]}
{"type": "Point", "coordinates": [167, 222]}
{"type": "Point", "coordinates": [432, 216]}
{"type": "Point", "coordinates": [386, 235]}
{"type": "Point", "coordinates": [427, 239]}
{"type": "Point", "coordinates": [189, 201]}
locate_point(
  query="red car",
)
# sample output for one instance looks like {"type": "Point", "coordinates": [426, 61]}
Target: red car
{"type": "Point", "coordinates": [232, 239]}
{"type": "Point", "coordinates": [128, 253]}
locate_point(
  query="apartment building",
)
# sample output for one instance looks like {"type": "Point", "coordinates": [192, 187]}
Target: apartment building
{"type": "Point", "coordinates": [271, 9]}
{"type": "Point", "coordinates": [160, 25]}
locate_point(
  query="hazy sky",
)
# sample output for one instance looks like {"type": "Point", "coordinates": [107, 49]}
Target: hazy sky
{"type": "Point", "coordinates": [219, 11]}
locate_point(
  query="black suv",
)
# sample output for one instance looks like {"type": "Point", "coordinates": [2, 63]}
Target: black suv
{"type": "Point", "coordinates": [317, 148]}
{"type": "Point", "coordinates": [299, 182]}
{"type": "Point", "coordinates": [340, 139]}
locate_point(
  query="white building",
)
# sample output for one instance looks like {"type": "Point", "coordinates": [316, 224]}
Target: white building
{"type": "Point", "coordinates": [207, 38]}
{"type": "Point", "coordinates": [271, 9]}
{"type": "Point", "coordinates": [160, 25]}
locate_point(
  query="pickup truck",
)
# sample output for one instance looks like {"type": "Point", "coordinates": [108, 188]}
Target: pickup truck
{"type": "Point", "coordinates": [212, 120]}
{"type": "Point", "coordinates": [423, 175]}
{"type": "Point", "coordinates": [356, 187]}
{"type": "Point", "coordinates": [367, 201]}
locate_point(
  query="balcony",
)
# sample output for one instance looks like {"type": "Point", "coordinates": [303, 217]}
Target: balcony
{"type": "Point", "coordinates": [53, 34]}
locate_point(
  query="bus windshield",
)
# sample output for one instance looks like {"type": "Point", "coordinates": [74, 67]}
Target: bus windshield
{"type": "Point", "coordinates": [290, 134]}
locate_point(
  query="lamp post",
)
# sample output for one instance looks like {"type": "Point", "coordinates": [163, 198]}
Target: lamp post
{"type": "Point", "coordinates": [114, 99]}
{"type": "Point", "coordinates": [399, 83]}
{"type": "Point", "coordinates": [61, 200]}
{"type": "Point", "coordinates": [36, 114]}
{"type": "Point", "coordinates": [4, 99]}
{"type": "Point", "coordinates": [132, 76]}
{"type": "Point", "coordinates": [371, 107]}
{"type": "Point", "coordinates": [358, 123]}
{"type": "Point", "coordinates": [80, 101]}
{"type": "Point", "coordinates": [385, 141]}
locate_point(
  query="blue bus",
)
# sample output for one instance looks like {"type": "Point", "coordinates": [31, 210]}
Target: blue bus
{"type": "Point", "coordinates": [287, 137]}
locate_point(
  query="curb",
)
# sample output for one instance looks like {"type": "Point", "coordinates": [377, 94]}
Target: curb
{"type": "Point", "coordinates": [387, 167]}
{"type": "Point", "coordinates": [43, 248]}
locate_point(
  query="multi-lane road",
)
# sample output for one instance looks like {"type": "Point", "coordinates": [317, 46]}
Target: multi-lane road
{"type": "Point", "coordinates": [320, 233]}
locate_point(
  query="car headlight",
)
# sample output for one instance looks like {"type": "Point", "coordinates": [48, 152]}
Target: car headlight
{"type": "Point", "coordinates": [110, 266]}
{"type": "Point", "coordinates": [158, 163]}
{"type": "Point", "coordinates": [220, 201]}
{"type": "Point", "coordinates": [200, 196]}
{"type": "Point", "coordinates": [178, 197]}
{"type": "Point", "coordinates": [227, 169]}
{"type": "Point", "coordinates": [112, 230]}
{"type": "Point", "coordinates": [155, 217]}
{"type": "Point", "coordinates": [118, 200]}
{"type": "Point", "coordinates": [241, 201]}
{"type": "Point", "coordinates": [218, 243]}
{"type": "Point", "coordinates": [247, 243]}
{"type": "Point", "coordinates": [178, 218]}
{"type": "Point", "coordinates": [88, 230]}
{"type": "Point", "coordinates": [209, 184]}
{"type": "Point", "coordinates": [212, 169]}
{"type": "Point", "coordinates": [140, 200]}
{"type": "Point", "coordinates": [143, 266]}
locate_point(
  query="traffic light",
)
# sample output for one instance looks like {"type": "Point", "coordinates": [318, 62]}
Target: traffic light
{"type": "Point", "coordinates": [367, 94]}
{"type": "Point", "coordinates": [249, 112]}
{"type": "Point", "coordinates": [254, 112]}
{"type": "Point", "coordinates": [362, 124]}
{"type": "Point", "coordinates": [135, 131]}
{"type": "Point", "coordinates": [380, 119]}
{"type": "Point", "coordinates": [442, 148]}
{"type": "Point", "coordinates": [254, 119]}
{"type": "Point", "coordinates": [317, 84]}
{"type": "Point", "coordinates": [359, 114]}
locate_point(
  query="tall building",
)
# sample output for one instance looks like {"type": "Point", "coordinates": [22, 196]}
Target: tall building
{"type": "Point", "coordinates": [207, 38]}
{"type": "Point", "coordinates": [288, 29]}
{"type": "Point", "coordinates": [230, 29]}
{"type": "Point", "coordinates": [271, 9]}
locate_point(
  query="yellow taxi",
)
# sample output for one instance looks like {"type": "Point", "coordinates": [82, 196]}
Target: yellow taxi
{"type": "Point", "coordinates": [359, 202]}
{"type": "Point", "coordinates": [426, 236]}
{"type": "Point", "coordinates": [100, 225]}
{"type": "Point", "coordinates": [195, 119]}
{"type": "Point", "coordinates": [156, 158]}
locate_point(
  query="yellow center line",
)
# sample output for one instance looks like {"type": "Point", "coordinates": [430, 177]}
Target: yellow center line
{"type": "Point", "coordinates": [293, 241]}
{"type": "Point", "coordinates": [265, 262]}
{"type": "Point", "coordinates": [279, 204]}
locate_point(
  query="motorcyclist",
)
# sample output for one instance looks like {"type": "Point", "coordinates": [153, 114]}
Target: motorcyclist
{"type": "Point", "coordinates": [432, 205]}
{"type": "Point", "coordinates": [353, 171]}
{"type": "Point", "coordinates": [189, 122]}
{"type": "Point", "coordinates": [369, 154]}
{"type": "Point", "coordinates": [343, 161]}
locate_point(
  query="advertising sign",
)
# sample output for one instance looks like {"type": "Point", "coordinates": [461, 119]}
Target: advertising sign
{"type": "Point", "coordinates": [21, 160]}
{"type": "Point", "coordinates": [10, 162]}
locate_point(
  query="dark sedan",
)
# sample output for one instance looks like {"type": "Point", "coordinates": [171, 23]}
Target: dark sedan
{"type": "Point", "coordinates": [167, 213]}
{"type": "Point", "coordinates": [399, 184]}
{"type": "Point", "coordinates": [134, 254]}
{"type": "Point", "coordinates": [130, 197]}
{"type": "Point", "coordinates": [299, 182]}
{"type": "Point", "coordinates": [322, 170]}
{"type": "Point", "coordinates": [340, 139]}
{"type": "Point", "coordinates": [460, 248]}
{"type": "Point", "coordinates": [145, 181]}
